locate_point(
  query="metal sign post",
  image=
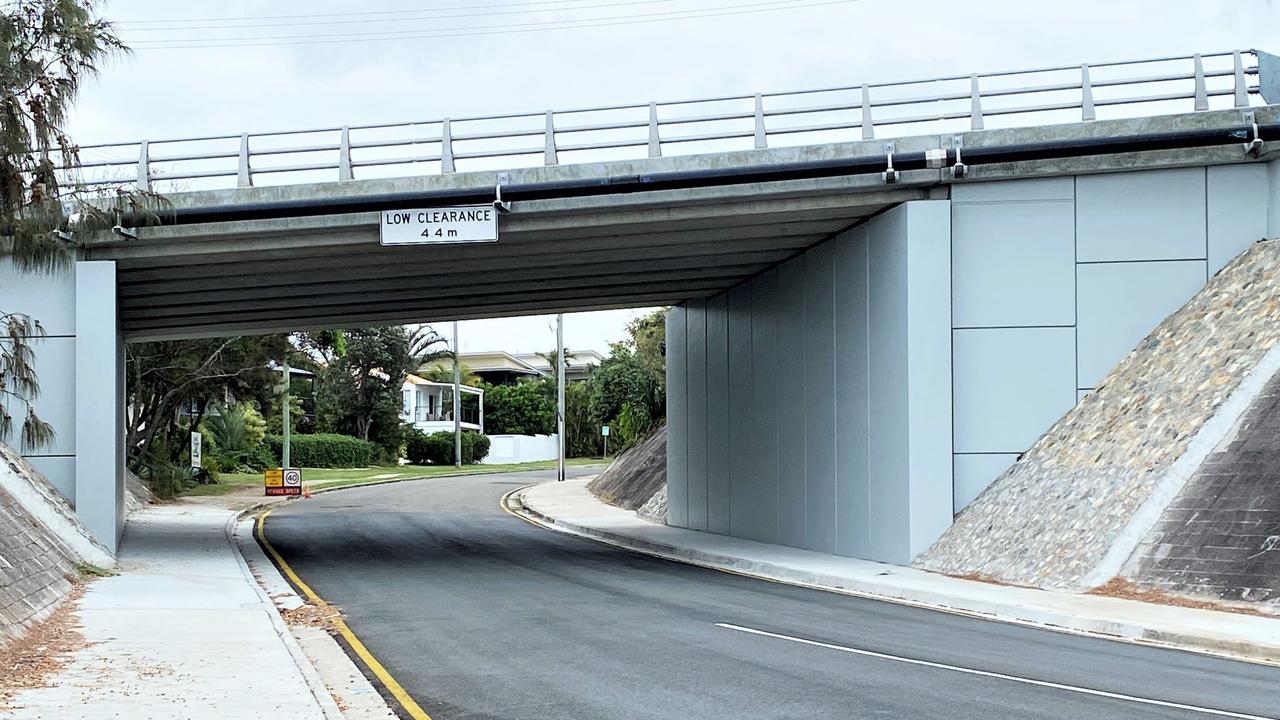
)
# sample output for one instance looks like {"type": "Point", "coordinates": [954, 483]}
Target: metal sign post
{"type": "Point", "coordinates": [604, 431]}
{"type": "Point", "coordinates": [560, 394]}
{"type": "Point", "coordinates": [457, 401]}
{"type": "Point", "coordinates": [284, 418]}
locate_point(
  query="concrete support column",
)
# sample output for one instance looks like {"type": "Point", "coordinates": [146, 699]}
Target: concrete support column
{"type": "Point", "coordinates": [811, 405]}
{"type": "Point", "coordinates": [99, 402]}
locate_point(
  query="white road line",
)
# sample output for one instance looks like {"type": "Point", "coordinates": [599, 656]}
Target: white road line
{"type": "Point", "coordinates": [998, 676]}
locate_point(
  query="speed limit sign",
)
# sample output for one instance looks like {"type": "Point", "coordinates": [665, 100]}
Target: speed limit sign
{"type": "Point", "coordinates": [292, 477]}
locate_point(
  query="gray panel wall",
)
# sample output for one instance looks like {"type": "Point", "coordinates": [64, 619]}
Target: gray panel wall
{"type": "Point", "coordinates": [1055, 280]}
{"type": "Point", "coordinates": [79, 364]}
{"type": "Point", "coordinates": [677, 420]}
{"type": "Point", "coordinates": [831, 429]}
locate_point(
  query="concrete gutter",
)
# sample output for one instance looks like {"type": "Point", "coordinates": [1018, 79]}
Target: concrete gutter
{"type": "Point", "coordinates": [570, 508]}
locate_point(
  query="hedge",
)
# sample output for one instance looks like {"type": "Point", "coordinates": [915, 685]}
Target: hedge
{"type": "Point", "coordinates": [324, 450]}
{"type": "Point", "coordinates": [437, 448]}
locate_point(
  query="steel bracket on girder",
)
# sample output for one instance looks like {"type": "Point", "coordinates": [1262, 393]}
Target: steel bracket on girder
{"type": "Point", "coordinates": [498, 203]}
{"type": "Point", "coordinates": [122, 231]}
{"type": "Point", "coordinates": [959, 169]}
{"type": "Point", "coordinates": [890, 176]}
{"type": "Point", "coordinates": [1252, 148]}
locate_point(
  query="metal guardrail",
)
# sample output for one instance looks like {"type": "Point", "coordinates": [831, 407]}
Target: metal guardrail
{"type": "Point", "coordinates": [957, 103]}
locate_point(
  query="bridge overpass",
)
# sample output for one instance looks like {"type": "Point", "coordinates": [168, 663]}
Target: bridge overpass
{"type": "Point", "coordinates": [883, 292]}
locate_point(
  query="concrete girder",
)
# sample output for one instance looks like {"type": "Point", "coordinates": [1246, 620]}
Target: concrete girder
{"type": "Point", "coordinates": [356, 294]}
{"type": "Point", "coordinates": [180, 292]}
{"type": "Point", "coordinates": [507, 245]}
{"type": "Point", "coordinates": [664, 296]}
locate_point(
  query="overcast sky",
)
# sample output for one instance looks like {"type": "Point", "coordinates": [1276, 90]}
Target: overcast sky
{"type": "Point", "coordinates": [160, 93]}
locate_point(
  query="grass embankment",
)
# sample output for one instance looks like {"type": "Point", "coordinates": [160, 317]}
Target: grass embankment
{"type": "Point", "coordinates": [327, 478]}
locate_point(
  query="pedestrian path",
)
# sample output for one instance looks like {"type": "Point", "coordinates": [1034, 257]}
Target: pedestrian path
{"type": "Point", "coordinates": [568, 506]}
{"type": "Point", "coordinates": [182, 631]}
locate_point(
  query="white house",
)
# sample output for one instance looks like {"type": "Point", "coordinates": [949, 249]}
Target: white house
{"type": "Point", "coordinates": [428, 405]}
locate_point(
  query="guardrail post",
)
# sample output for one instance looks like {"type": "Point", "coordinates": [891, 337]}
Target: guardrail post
{"type": "Point", "coordinates": [1242, 85]}
{"type": "Point", "coordinates": [1086, 95]}
{"type": "Point", "coordinates": [144, 167]}
{"type": "Point", "coordinates": [1202, 95]}
{"type": "Point", "coordinates": [868, 129]}
{"type": "Point", "coordinates": [975, 99]}
{"type": "Point", "coordinates": [762, 139]}
{"type": "Point", "coordinates": [446, 147]}
{"type": "Point", "coordinates": [550, 154]}
{"type": "Point", "coordinates": [655, 141]}
{"type": "Point", "coordinates": [344, 155]}
{"type": "Point", "coordinates": [245, 178]}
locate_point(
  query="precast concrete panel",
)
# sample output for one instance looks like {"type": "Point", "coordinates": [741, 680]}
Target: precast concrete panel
{"type": "Point", "coordinates": [1121, 303]}
{"type": "Point", "coordinates": [55, 367]}
{"type": "Point", "coordinates": [888, 517]}
{"type": "Point", "coordinates": [763, 523]}
{"type": "Point", "coordinates": [1028, 190]}
{"type": "Point", "coordinates": [46, 297]}
{"type": "Point", "coordinates": [677, 420]}
{"type": "Point", "coordinates": [852, 399]}
{"type": "Point", "coordinates": [819, 399]}
{"type": "Point", "coordinates": [740, 302]}
{"type": "Point", "coordinates": [99, 433]}
{"type": "Point", "coordinates": [1238, 198]}
{"type": "Point", "coordinates": [1148, 215]}
{"type": "Point", "coordinates": [1013, 263]}
{"type": "Point", "coordinates": [929, 474]}
{"type": "Point", "coordinates": [973, 473]}
{"type": "Point", "coordinates": [1011, 384]}
{"type": "Point", "coordinates": [60, 471]}
{"type": "Point", "coordinates": [718, 448]}
{"type": "Point", "coordinates": [696, 389]}
{"type": "Point", "coordinates": [792, 509]}
{"type": "Point", "coordinates": [1273, 200]}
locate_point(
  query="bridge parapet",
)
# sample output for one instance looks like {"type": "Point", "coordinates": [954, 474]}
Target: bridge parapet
{"type": "Point", "coordinates": [884, 110]}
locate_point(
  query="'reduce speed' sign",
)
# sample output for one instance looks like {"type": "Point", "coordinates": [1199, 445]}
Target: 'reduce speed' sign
{"type": "Point", "coordinates": [459, 224]}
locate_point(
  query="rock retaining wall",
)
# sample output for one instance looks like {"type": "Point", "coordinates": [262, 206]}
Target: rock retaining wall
{"type": "Point", "coordinates": [1076, 500]}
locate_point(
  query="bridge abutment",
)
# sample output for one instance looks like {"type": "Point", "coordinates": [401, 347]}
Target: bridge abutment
{"type": "Point", "coordinates": [80, 366]}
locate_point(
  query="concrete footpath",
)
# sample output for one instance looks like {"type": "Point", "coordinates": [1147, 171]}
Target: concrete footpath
{"type": "Point", "coordinates": [183, 630]}
{"type": "Point", "coordinates": [570, 507]}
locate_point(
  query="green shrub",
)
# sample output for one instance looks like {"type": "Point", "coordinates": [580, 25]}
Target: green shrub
{"type": "Point", "coordinates": [324, 450]}
{"type": "Point", "coordinates": [252, 460]}
{"type": "Point", "coordinates": [437, 448]}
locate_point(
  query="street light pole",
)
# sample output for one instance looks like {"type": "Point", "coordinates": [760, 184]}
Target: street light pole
{"type": "Point", "coordinates": [284, 419]}
{"type": "Point", "coordinates": [457, 400]}
{"type": "Point", "coordinates": [560, 392]}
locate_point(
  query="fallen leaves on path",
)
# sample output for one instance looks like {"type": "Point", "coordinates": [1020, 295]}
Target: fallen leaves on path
{"type": "Point", "coordinates": [30, 660]}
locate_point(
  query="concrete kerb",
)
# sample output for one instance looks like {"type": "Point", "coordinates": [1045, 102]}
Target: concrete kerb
{"type": "Point", "coordinates": [276, 592]}
{"type": "Point", "coordinates": [318, 689]}
{"type": "Point", "coordinates": [1006, 612]}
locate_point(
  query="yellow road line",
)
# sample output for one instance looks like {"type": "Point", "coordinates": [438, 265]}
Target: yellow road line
{"type": "Point", "coordinates": [397, 691]}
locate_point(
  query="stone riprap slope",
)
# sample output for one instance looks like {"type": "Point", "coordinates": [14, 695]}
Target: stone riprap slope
{"type": "Point", "coordinates": [37, 569]}
{"type": "Point", "coordinates": [1059, 516]}
{"type": "Point", "coordinates": [1220, 538]}
{"type": "Point", "coordinates": [636, 475]}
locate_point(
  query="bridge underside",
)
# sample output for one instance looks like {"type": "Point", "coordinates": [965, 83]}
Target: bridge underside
{"type": "Point", "coordinates": [255, 276]}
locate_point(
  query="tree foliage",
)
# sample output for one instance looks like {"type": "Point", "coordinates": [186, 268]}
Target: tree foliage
{"type": "Point", "coordinates": [47, 49]}
{"type": "Point", "coordinates": [163, 377]}
{"type": "Point", "coordinates": [526, 408]}
{"type": "Point", "coordinates": [359, 393]}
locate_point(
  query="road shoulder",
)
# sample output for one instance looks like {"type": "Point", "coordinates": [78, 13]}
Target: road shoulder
{"type": "Point", "coordinates": [570, 508]}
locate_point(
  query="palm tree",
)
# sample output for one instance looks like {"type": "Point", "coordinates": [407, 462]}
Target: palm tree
{"type": "Point", "coordinates": [553, 359]}
{"type": "Point", "coordinates": [426, 345]}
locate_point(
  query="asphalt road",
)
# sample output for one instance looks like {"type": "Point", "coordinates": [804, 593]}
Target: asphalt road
{"type": "Point", "coordinates": [481, 615]}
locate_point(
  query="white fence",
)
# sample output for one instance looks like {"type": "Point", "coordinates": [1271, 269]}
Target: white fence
{"type": "Point", "coordinates": [507, 449]}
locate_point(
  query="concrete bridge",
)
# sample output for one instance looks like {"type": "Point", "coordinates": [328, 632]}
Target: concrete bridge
{"type": "Point", "coordinates": [883, 292]}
